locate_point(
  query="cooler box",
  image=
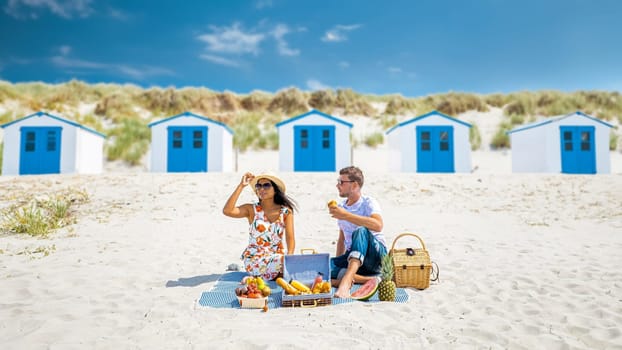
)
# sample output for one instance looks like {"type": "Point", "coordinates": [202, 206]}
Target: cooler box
{"type": "Point", "coordinates": [304, 268]}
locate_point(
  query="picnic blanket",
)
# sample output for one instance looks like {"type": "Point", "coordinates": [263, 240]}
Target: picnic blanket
{"type": "Point", "coordinates": [222, 295]}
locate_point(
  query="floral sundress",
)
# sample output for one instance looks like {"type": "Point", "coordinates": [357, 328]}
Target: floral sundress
{"type": "Point", "coordinates": [264, 254]}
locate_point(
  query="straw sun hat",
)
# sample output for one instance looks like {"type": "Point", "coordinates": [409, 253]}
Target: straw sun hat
{"type": "Point", "coordinates": [271, 177]}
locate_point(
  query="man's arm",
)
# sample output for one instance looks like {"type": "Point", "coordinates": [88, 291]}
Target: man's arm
{"type": "Point", "coordinates": [341, 245]}
{"type": "Point", "coordinates": [373, 222]}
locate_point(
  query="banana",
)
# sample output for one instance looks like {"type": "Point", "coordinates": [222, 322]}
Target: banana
{"type": "Point", "coordinates": [300, 286]}
{"type": "Point", "coordinates": [326, 287]}
{"type": "Point", "coordinates": [260, 283]}
{"type": "Point", "coordinates": [288, 288]}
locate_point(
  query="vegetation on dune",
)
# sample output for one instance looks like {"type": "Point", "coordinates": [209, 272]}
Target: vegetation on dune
{"type": "Point", "coordinates": [256, 101]}
{"type": "Point", "coordinates": [374, 139]}
{"type": "Point", "coordinates": [400, 105]}
{"type": "Point", "coordinates": [40, 214]}
{"type": "Point", "coordinates": [289, 102]}
{"type": "Point", "coordinates": [6, 117]}
{"type": "Point", "coordinates": [122, 112]}
{"type": "Point", "coordinates": [475, 138]}
{"type": "Point", "coordinates": [501, 139]}
{"type": "Point", "coordinates": [353, 103]}
{"type": "Point", "coordinates": [129, 141]}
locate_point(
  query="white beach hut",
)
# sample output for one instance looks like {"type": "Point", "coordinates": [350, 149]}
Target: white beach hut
{"type": "Point", "coordinates": [575, 143]}
{"type": "Point", "coordinates": [430, 143]}
{"type": "Point", "coordinates": [314, 141]}
{"type": "Point", "coordinates": [188, 142]}
{"type": "Point", "coordinates": [42, 143]}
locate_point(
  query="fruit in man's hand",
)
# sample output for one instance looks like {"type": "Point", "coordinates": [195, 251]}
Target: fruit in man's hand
{"type": "Point", "coordinates": [332, 203]}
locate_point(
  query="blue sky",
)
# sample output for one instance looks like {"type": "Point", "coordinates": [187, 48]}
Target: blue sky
{"type": "Point", "coordinates": [411, 47]}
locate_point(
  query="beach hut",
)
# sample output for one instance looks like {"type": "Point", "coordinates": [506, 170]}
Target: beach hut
{"type": "Point", "coordinates": [575, 143]}
{"type": "Point", "coordinates": [188, 142]}
{"type": "Point", "coordinates": [42, 143]}
{"type": "Point", "coordinates": [430, 143]}
{"type": "Point", "coordinates": [314, 141]}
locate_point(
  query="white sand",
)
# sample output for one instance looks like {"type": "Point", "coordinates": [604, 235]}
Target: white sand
{"type": "Point", "coordinates": [527, 262]}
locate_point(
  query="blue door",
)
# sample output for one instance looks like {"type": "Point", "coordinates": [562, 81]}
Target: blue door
{"type": "Point", "coordinates": [40, 150]}
{"type": "Point", "coordinates": [435, 149]}
{"type": "Point", "coordinates": [314, 148]}
{"type": "Point", "coordinates": [577, 147]}
{"type": "Point", "coordinates": [187, 149]}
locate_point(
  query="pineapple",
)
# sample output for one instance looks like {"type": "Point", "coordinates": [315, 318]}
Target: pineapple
{"type": "Point", "coordinates": [386, 289]}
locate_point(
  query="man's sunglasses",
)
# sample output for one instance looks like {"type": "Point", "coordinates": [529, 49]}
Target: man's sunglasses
{"type": "Point", "coordinates": [340, 181]}
{"type": "Point", "coordinates": [265, 186]}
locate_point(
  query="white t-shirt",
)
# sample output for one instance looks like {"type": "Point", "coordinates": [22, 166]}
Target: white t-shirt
{"type": "Point", "coordinates": [365, 206]}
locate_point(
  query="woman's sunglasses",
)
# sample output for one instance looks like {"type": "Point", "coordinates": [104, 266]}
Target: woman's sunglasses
{"type": "Point", "coordinates": [265, 186]}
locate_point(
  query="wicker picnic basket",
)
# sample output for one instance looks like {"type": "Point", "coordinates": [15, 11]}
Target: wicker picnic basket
{"type": "Point", "coordinates": [411, 266]}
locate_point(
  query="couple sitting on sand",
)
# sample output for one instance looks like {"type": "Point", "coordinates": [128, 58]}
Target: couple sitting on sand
{"type": "Point", "coordinates": [361, 244]}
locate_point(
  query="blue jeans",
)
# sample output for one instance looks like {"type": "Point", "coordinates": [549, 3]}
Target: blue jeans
{"type": "Point", "coordinates": [366, 248]}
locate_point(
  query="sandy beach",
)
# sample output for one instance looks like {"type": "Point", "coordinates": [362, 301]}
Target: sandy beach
{"type": "Point", "coordinates": [526, 262]}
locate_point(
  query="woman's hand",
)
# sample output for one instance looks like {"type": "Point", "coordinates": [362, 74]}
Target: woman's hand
{"type": "Point", "coordinates": [246, 179]}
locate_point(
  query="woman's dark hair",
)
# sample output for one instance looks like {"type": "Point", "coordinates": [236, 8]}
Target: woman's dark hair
{"type": "Point", "coordinates": [281, 198]}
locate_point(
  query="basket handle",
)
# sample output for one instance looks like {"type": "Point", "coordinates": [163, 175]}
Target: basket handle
{"type": "Point", "coordinates": [407, 234]}
{"type": "Point", "coordinates": [303, 250]}
{"type": "Point", "coordinates": [302, 304]}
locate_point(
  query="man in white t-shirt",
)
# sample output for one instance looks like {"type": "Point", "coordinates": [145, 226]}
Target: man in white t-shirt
{"type": "Point", "coordinates": [361, 244]}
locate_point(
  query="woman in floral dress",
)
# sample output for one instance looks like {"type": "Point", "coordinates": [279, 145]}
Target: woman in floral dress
{"type": "Point", "coordinates": [271, 220]}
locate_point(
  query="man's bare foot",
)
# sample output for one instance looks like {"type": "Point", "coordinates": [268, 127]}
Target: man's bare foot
{"type": "Point", "coordinates": [344, 290]}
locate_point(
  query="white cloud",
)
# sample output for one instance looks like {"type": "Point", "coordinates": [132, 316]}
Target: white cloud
{"type": "Point", "coordinates": [118, 14]}
{"type": "Point", "coordinates": [316, 85]}
{"type": "Point", "coordinates": [339, 32]}
{"type": "Point", "coordinates": [142, 72]}
{"type": "Point", "coordinates": [64, 50]}
{"type": "Point", "coordinates": [31, 9]}
{"type": "Point", "coordinates": [279, 32]}
{"type": "Point", "coordinates": [344, 64]}
{"type": "Point", "coordinates": [226, 44]}
{"type": "Point", "coordinates": [260, 4]}
{"type": "Point", "coordinates": [233, 40]}
{"type": "Point", "coordinates": [19, 60]}
{"type": "Point", "coordinates": [123, 69]}
{"type": "Point", "coordinates": [394, 70]}
{"type": "Point", "coordinates": [66, 62]}
{"type": "Point", "coordinates": [220, 60]}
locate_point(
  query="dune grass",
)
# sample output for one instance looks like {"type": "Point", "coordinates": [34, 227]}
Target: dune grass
{"type": "Point", "coordinates": [253, 130]}
{"type": "Point", "coordinates": [121, 109]}
{"type": "Point", "coordinates": [374, 139]}
{"type": "Point", "coordinates": [601, 104]}
{"type": "Point", "coordinates": [129, 141]}
{"type": "Point", "coordinates": [501, 140]}
{"type": "Point", "coordinates": [475, 138]}
{"type": "Point", "coordinates": [323, 100]}
{"type": "Point", "coordinates": [41, 214]}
